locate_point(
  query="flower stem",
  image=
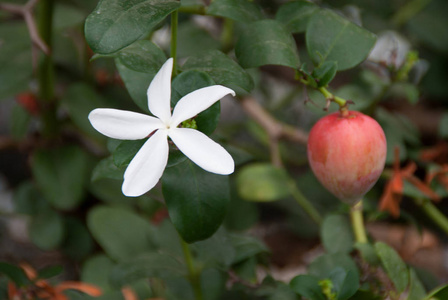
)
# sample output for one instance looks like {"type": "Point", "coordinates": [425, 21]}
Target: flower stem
{"type": "Point", "coordinates": [433, 213]}
{"type": "Point", "coordinates": [174, 25]}
{"type": "Point", "coordinates": [193, 274]}
{"type": "Point", "coordinates": [46, 70]}
{"type": "Point", "coordinates": [358, 223]}
{"type": "Point", "coordinates": [305, 204]}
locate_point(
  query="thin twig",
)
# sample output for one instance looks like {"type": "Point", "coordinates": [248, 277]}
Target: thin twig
{"type": "Point", "coordinates": [275, 129]}
{"type": "Point", "coordinates": [26, 12]}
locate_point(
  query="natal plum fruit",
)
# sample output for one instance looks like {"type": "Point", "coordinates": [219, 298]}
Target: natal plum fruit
{"type": "Point", "coordinates": [347, 154]}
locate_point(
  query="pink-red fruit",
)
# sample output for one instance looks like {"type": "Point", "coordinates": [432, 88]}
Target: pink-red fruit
{"type": "Point", "coordinates": [347, 154]}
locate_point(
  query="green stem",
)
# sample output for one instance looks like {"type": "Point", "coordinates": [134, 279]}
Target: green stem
{"type": "Point", "coordinates": [305, 204]}
{"type": "Point", "coordinates": [46, 70]}
{"type": "Point", "coordinates": [174, 25]}
{"type": "Point", "coordinates": [358, 223]}
{"type": "Point", "coordinates": [227, 35]}
{"type": "Point", "coordinates": [433, 213]}
{"type": "Point", "coordinates": [408, 11]}
{"type": "Point", "coordinates": [193, 274]}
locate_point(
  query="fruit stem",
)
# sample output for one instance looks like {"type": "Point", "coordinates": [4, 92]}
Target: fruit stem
{"type": "Point", "coordinates": [332, 98]}
{"type": "Point", "coordinates": [435, 215]}
{"type": "Point", "coordinates": [358, 223]}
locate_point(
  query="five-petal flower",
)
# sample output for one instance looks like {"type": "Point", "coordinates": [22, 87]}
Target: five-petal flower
{"type": "Point", "coordinates": [147, 166]}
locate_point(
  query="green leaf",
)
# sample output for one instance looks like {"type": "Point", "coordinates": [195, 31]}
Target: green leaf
{"type": "Point", "coordinates": [15, 59]}
{"type": "Point", "coordinates": [443, 126]}
{"type": "Point", "coordinates": [439, 293]}
{"type": "Point", "coordinates": [266, 43]}
{"type": "Point", "coordinates": [336, 234]}
{"type": "Point", "coordinates": [307, 286]}
{"type": "Point", "coordinates": [28, 200]}
{"type": "Point", "coordinates": [142, 56]}
{"type": "Point", "coordinates": [136, 83]}
{"type": "Point", "coordinates": [51, 271]}
{"type": "Point", "coordinates": [115, 24]}
{"type": "Point", "coordinates": [243, 214]}
{"type": "Point", "coordinates": [330, 37]}
{"type": "Point", "coordinates": [196, 200]}
{"type": "Point", "coordinates": [159, 265]}
{"type": "Point", "coordinates": [79, 100]}
{"type": "Point", "coordinates": [295, 15]}
{"type": "Point", "coordinates": [416, 288]}
{"type": "Point", "coordinates": [61, 175]}
{"type": "Point", "coordinates": [325, 73]}
{"type": "Point", "coordinates": [106, 169]}
{"type": "Point", "coordinates": [243, 11]}
{"type": "Point", "coordinates": [188, 82]}
{"type": "Point", "coordinates": [325, 264]}
{"type": "Point", "coordinates": [19, 122]}
{"type": "Point", "coordinates": [78, 241]}
{"type": "Point", "coordinates": [96, 270]}
{"type": "Point", "coordinates": [223, 70]}
{"type": "Point", "coordinates": [368, 253]}
{"type": "Point", "coordinates": [126, 151]}
{"type": "Point", "coordinates": [263, 182]}
{"type": "Point", "coordinates": [246, 247]}
{"type": "Point", "coordinates": [345, 283]}
{"type": "Point", "coordinates": [394, 266]}
{"type": "Point", "coordinates": [121, 233]}
{"type": "Point", "coordinates": [14, 273]}
{"type": "Point", "coordinates": [194, 39]}
{"type": "Point", "coordinates": [47, 229]}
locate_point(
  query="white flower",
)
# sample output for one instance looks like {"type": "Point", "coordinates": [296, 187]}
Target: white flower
{"type": "Point", "coordinates": [146, 168]}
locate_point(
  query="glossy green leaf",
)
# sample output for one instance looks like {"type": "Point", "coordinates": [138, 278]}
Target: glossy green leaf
{"type": "Point", "coordinates": [263, 182]}
{"type": "Point", "coordinates": [243, 11]}
{"type": "Point", "coordinates": [295, 15]}
{"type": "Point", "coordinates": [307, 286]}
{"type": "Point", "coordinates": [142, 56]}
{"type": "Point", "coordinates": [106, 169]}
{"type": "Point", "coordinates": [266, 42]}
{"type": "Point", "coordinates": [121, 233]}
{"type": "Point", "coordinates": [223, 70]}
{"type": "Point", "coordinates": [61, 175]}
{"type": "Point", "coordinates": [196, 200]}
{"type": "Point", "coordinates": [325, 264]}
{"type": "Point", "coordinates": [336, 234]}
{"type": "Point", "coordinates": [394, 266]}
{"type": "Point", "coordinates": [96, 270]}
{"type": "Point", "coordinates": [126, 151]}
{"type": "Point", "coordinates": [79, 100]}
{"type": "Point", "coordinates": [325, 73]}
{"type": "Point", "coordinates": [115, 24]}
{"type": "Point", "coordinates": [15, 58]}
{"type": "Point", "coordinates": [330, 37]}
{"type": "Point", "coordinates": [159, 265]}
{"type": "Point", "coordinates": [136, 83]}
{"type": "Point", "coordinates": [188, 82]}
{"type": "Point", "coordinates": [47, 229]}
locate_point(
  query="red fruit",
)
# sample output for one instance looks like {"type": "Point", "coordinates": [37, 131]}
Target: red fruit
{"type": "Point", "coordinates": [347, 154]}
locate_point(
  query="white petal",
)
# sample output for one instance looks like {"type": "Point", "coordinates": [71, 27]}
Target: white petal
{"type": "Point", "coordinates": [122, 124]}
{"type": "Point", "coordinates": [147, 166]}
{"type": "Point", "coordinates": [195, 102]}
{"type": "Point", "coordinates": [202, 150]}
{"type": "Point", "coordinates": [159, 92]}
